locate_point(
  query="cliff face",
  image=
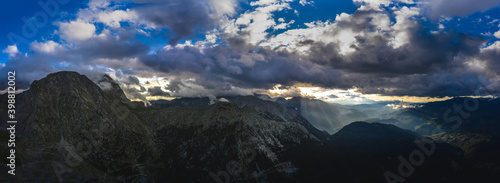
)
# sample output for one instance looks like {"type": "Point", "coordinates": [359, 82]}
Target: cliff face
{"type": "Point", "coordinates": [67, 123]}
{"type": "Point", "coordinates": [197, 142]}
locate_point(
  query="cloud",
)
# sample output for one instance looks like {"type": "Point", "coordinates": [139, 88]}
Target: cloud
{"type": "Point", "coordinates": [113, 18]}
{"type": "Point", "coordinates": [333, 96]}
{"type": "Point", "coordinates": [437, 8]}
{"type": "Point", "coordinates": [254, 24]}
{"type": "Point", "coordinates": [185, 18]}
{"type": "Point", "coordinates": [76, 31]}
{"type": "Point", "coordinates": [110, 47]}
{"type": "Point", "coordinates": [373, 2]}
{"type": "Point", "coordinates": [382, 2]}
{"type": "Point", "coordinates": [11, 50]}
{"type": "Point", "coordinates": [105, 85]}
{"type": "Point", "coordinates": [497, 34]}
{"type": "Point", "coordinates": [157, 91]}
{"type": "Point", "coordinates": [96, 4]}
{"type": "Point", "coordinates": [133, 80]}
{"type": "Point", "coordinates": [221, 68]}
{"type": "Point", "coordinates": [489, 57]}
{"type": "Point", "coordinates": [382, 57]}
{"type": "Point", "coordinates": [283, 25]}
{"type": "Point", "coordinates": [432, 61]}
{"type": "Point", "coordinates": [305, 2]}
{"type": "Point", "coordinates": [45, 47]}
{"type": "Point", "coordinates": [427, 52]}
{"type": "Point", "coordinates": [134, 93]}
{"type": "Point", "coordinates": [95, 56]}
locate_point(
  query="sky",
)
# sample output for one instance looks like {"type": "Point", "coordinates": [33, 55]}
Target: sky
{"type": "Point", "coordinates": [344, 51]}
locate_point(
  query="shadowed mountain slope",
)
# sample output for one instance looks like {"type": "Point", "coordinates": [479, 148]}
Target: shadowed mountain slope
{"type": "Point", "coordinates": [72, 129]}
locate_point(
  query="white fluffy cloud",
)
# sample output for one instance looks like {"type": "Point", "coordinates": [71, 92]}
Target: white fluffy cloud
{"type": "Point", "coordinates": [305, 2]}
{"type": "Point", "coordinates": [75, 31]}
{"type": "Point", "coordinates": [382, 2]}
{"type": "Point", "coordinates": [283, 25]}
{"type": "Point", "coordinates": [45, 47]}
{"type": "Point", "coordinates": [403, 21]}
{"type": "Point", "coordinates": [113, 18]}
{"type": "Point", "coordinates": [96, 4]}
{"type": "Point", "coordinates": [341, 30]}
{"type": "Point", "coordinates": [497, 34]}
{"type": "Point", "coordinates": [11, 50]}
{"type": "Point", "coordinates": [223, 7]}
{"type": "Point", "coordinates": [373, 2]}
{"type": "Point", "coordinates": [257, 22]}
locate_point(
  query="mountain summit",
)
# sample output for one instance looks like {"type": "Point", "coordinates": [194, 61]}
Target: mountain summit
{"type": "Point", "coordinates": [70, 128]}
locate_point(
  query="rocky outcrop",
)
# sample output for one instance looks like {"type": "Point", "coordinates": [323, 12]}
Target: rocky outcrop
{"type": "Point", "coordinates": [69, 129]}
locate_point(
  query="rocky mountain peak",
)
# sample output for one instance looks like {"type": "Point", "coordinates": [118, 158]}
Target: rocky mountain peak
{"type": "Point", "coordinates": [70, 82]}
{"type": "Point", "coordinates": [109, 86]}
{"type": "Point", "coordinates": [66, 112]}
{"type": "Point", "coordinates": [64, 80]}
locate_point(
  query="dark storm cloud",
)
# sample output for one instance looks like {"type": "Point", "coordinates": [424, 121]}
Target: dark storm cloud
{"type": "Point", "coordinates": [157, 91]}
{"type": "Point", "coordinates": [133, 80]}
{"type": "Point", "coordinates": [36, 66]}
{"type": "Point", "coordinates": [491, 57]}
{"type": "Point", "coordinates": [222, 65]}
{"type": "Point", "coordinates": [98, 51]}
{"type": "Point", "coordinates": [174, 85]}
{"type": "Point", "coordinates": [432, 64]}
{"type": "Point", "coordinates": [438, 8]}
{"type": "Point", "coordinates": [183, 18]}
{"type": "Point", "coordinates": [29, 67]}
{"type": "Point", "coordinates": [111, 48]}
{"type": "Point", "coordinates": [427, 52]}
{"type": "Point", "coordinates": [362, 21]}
{"type": "Point", "coordinates": [26, 70]}
{"type": "Point", "coordinates": [457, 83]}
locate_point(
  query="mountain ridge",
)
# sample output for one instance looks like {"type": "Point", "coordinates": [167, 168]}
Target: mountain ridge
{"type": "Point", "coordinates": [67, 116]}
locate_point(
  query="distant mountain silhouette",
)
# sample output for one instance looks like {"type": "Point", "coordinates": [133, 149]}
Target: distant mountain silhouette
{"type": "Point", "coordinates": [332, 117]}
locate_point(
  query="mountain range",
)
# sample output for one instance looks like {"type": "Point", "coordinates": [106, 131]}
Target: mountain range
{"type": "Point", "coordinates": [71, 128]}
